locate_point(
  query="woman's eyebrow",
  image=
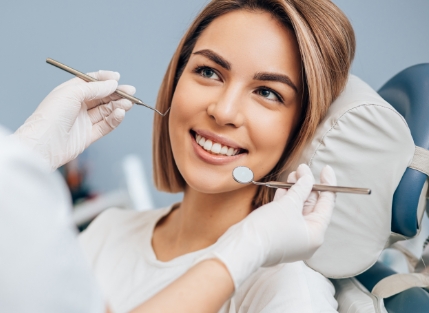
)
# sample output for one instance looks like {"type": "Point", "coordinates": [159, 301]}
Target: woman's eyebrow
{"type": "Point", "coordinates": [215, 58]}
{"type": "Point", "coordinates": [276, 78]}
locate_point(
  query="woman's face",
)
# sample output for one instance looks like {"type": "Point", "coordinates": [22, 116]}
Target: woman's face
{"type": "Point", "coordinates": [236, 102]}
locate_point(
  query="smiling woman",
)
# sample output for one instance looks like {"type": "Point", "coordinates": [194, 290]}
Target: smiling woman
{"type": "Point", "coordinates": [234, 100]}
{"type": "Point", "coordinates": [247, 86]}
{"type": "Point", "coordinates": [317, 39]}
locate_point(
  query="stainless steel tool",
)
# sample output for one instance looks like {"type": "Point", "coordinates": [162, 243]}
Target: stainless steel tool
{"type": "Point", "coordinates": [244, 175]}
{"type": "Point", "coordinates": [88, 78]}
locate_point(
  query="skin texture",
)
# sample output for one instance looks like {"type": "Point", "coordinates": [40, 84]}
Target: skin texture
{"type": "Point", "coordinates": [256, 115]}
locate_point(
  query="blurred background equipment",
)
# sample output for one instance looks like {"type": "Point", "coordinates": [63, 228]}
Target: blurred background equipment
{"type": "Point", "coordinates": [134, 193]}
{"type": "Point", "coordinates": [75, 174]}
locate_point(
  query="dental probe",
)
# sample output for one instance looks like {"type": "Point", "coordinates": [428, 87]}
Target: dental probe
{"type": "Point", "coordinates": [88, 78]}
{"type": "Point", "coordinates": [244, 175]}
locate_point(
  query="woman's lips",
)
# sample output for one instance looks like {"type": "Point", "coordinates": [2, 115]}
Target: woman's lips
{"type": "Point", "coordinates": [215, 159]}
{"type": "Point", "coordinates": [216, 138]}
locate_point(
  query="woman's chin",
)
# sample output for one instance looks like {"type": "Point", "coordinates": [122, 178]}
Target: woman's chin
{"type": "Point", "coordinates": [212, 184]}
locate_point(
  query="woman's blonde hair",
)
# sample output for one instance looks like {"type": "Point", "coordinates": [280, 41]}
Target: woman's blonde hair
{"type": "Point", "coordinates": [327, 45]}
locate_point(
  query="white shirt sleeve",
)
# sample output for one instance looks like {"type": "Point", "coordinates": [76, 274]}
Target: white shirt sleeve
{"type": "Point", "coordinates": [42, 268]}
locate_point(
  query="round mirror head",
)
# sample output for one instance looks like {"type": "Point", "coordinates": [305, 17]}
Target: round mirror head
{"type": "Point", "coordinates": [242, 175]}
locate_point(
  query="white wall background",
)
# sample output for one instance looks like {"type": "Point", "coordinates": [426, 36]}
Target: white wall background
{"type": "Point", "coordinates": [137, 38]}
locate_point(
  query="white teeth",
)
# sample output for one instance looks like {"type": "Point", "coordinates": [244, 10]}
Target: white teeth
{"type": "Point", "coordinates": [215, 148]}
{"type": "Point", "coordinates": [208, 145]}
{"type": "Point", "coordinates": [202, 141]}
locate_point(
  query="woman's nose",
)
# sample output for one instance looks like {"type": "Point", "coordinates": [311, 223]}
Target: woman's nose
{"type": "Point", "coordinates": [227, 109]}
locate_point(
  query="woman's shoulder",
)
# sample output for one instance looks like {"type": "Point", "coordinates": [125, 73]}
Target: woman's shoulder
{"type": "Point", "coordinates": [288, 287]}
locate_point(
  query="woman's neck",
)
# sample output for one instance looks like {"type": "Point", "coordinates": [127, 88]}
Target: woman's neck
{"type": "Point", "coordinates": [199, 221]}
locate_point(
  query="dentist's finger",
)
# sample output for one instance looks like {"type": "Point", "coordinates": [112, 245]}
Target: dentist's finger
{"type": "Point", "coordinates": [326, 202]}
{"type": "Point", "coordinates": [279, 193]}
{"type": "Point", "coordinates": [102, 111]}
{"type": "Point", "coordinates": [131, 90]}
{"type": "Point", "coordinates": [300, 191]}
{"type": "Point", "coordinates": [108, 124]}
{"type": "Point", "coordinates": [292, 177]}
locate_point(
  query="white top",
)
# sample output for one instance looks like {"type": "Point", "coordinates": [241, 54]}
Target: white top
{"type": "Point", "coordinates": [42, 267]}
{"type": "Point", "coordinates": [118, 244]}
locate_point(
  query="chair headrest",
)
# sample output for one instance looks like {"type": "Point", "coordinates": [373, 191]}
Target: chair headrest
{"type": "Point", "coordinates": [368, 144]}
{"type": "Point", "coordinates": [408, 92]}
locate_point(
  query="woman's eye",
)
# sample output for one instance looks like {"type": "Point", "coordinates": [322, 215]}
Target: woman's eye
{"type": "Point", "coordinates": [268, 94]}
{"type": "Point", "coordinates": [207, 72]}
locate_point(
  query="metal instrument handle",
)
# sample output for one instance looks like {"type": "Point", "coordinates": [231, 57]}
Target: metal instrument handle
{"type": "Point", "coordinates": [88, 78]}
{"type": "Point", "coordinates": [316, 187]}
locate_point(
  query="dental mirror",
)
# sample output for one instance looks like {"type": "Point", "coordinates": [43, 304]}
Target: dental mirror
{"type": "Point", "coordinates": [244, 175]}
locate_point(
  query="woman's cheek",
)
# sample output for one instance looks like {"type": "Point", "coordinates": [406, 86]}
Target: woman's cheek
{"type": "Point", "coordinates": [270, 134]}
{"type": "Point", "coordinates": [182, 103]}
{"type": "Point", "coordinates": [201, 91]}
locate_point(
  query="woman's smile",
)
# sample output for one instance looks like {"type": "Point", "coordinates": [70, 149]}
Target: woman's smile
{"type": "Point", "coordinates": [215, 149]}
{"type": "Point", "coordinates": [232, 108]}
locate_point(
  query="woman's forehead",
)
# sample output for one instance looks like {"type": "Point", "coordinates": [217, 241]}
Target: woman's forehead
{"type": "Point", "coordinates": [254, 40]}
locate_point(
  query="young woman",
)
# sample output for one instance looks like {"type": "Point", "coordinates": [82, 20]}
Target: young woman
{"type": "Point", "coordinates": [247, 86]}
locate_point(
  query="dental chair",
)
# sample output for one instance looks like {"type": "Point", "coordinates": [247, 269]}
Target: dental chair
{"type": "Point", "coordinates": [378, 141]}
{"type": "Point", "coordinates": [408, 93]}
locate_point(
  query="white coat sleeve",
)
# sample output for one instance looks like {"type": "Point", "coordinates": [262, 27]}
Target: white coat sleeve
{"type": "Point", "coordinates": [42, 268]}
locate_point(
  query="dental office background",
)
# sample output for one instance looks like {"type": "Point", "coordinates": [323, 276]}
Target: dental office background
{"type": "Point", "coordinates": [137, 39]}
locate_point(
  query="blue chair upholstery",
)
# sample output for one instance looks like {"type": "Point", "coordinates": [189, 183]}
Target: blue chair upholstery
{"type": "Point", "coordinates": [415, 300]}
{"type": "Point", "coordinates": [408, 93]}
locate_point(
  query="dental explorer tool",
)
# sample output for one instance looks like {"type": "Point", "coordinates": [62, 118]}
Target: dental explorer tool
{"type": "Point", "coordinates": [88, 78]}
{"type": "Point", "coordinates": [244, 175]}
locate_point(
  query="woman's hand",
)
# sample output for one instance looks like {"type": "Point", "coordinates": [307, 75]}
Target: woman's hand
{"type": "Point", "coordinates": [288, 229]}
{"type": "Point", "coordinates": [74, 115]}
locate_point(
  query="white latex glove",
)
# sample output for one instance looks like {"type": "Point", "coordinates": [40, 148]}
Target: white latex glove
{"type": "Point", "coordinates": [278, 232]}
{"type": "Point", "coordinates": [74, 115]}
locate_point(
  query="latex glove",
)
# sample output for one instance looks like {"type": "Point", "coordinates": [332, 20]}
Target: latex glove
{"type": "Point", "coordinates": [278, 232]}
{"type": "Point", "coordinates": [74, 115]}
{"type": "Point", "coordinates": [293, 177]}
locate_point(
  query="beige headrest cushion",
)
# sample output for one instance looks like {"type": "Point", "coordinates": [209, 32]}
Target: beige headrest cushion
{"type": "Point", "coordinates": [368, 144]}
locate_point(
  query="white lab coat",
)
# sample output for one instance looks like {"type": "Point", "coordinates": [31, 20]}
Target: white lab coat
{"type": "Point", "coordinates": [42, 268]}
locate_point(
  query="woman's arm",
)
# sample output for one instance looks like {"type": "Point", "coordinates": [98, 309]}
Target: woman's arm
{"type": "Point", "coordinates": [202, 289]}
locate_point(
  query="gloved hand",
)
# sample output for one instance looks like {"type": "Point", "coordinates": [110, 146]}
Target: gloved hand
{"type": "Point", "coordinates": [74, 115]}
{"type": "Point", "coordinates": [278, 232]}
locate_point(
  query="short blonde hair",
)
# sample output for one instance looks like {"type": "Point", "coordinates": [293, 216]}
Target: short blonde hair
{"type": "Point", "coordinates": [327, 45]}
